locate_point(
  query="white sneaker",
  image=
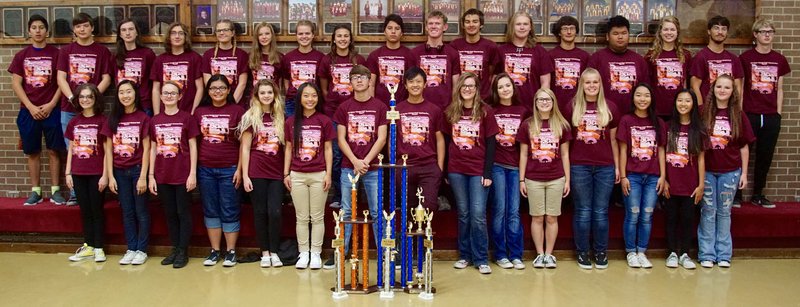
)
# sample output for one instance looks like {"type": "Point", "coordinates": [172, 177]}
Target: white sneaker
{"type": "Point", "coordinates": [83, 252]}
{"type": "Point", "coordinates": [139, 258]}
{"type": "Point", "coordinates": [686, 262]}
{"type": "Point", "coordinates": [484, 269]}
{"type": "Point", "coordinates": [633, 260]}
{"type": "Point", "coordinates": [504, 263]}
{"type": "Point", "coordinates": [539, 261]}
{"type": "Point", "coordinates": [302, 261]}
{"type": "Point", "coordinates": [550, 261]}
{"type": "Point", "coordinates": [316, 261]}
{"type": "Point", "coordinates": [643, 261]}
{"type": "Point", "coordinates": [128, 258]}
{"type": "Point", "coordinates": [276, 261]}
{"type": "Point", "coordinates": [265, 261]}
{"type": "Point", "coordinates": [724, 264]}
{"type": "Point", "coordinates": [707, 264]}
{"type": "Point", "coordinates": [461, 264]}
{"type": "Point", "coordinates": [518, 264]}
{"type": "Point", "coordinates": [672, 260]}
{"type": "Point", "coordinates": [99, 255]}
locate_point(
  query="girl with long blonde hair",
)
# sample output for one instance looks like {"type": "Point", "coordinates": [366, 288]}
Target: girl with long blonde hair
{"type": "Point", "coordinates": [669, 65]}
{"type": "Point", "coordinates": [265, 60]}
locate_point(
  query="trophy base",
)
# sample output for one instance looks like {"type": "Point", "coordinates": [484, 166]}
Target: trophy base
{"type": "Point", "coordinates": [387, 295]}
{"type": "Point", "coordinates": [359, 289]}
{"type": "Point", "coordinates": [426, 296]}
{"type": "Point", "coordinates": [339, 295]}
{"type": "Point", "coordinates": [417, 290]}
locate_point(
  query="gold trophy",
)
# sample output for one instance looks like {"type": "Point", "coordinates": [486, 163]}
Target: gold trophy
{"type": "Point", "coordinates": [419, 211]}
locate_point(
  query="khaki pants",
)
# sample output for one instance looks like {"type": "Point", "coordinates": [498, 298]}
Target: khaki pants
{"type": "Point", "coordinates": [309, 205]}
{"type": "Point", "coordinates": [544, 197]}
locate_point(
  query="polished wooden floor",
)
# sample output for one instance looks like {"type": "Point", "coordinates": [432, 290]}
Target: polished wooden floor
{"type": "Point", "coordinates": [51, 280]}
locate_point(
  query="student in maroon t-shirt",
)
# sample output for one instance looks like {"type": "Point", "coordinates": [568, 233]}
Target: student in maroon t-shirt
{"type": "Point", "coordinates": [726, 170]}
{"type": "Point", "coordinates": [134, 61]}
{"type": "Point", "coordinates": [621, 68]}
{"type": "Point", "coordinates": [181, 65]}
{"type": "Point", "coordinates": [265, 60]}
{"type": "Point", "coordinates": [173, 169]}
{"type": "Point", "coordinates": [506, 228]}
{"type": "Point", "coordinates": [476, 54]}
{"type": "Point", "coordinates": [714, 61]}
{"type": "Point", "coordinates": [438, 60]}
{"type": "Point", "coordinates": [300, 65]}
{"type": "Point", "coordinates": [764, 71]}
{"type": "Point", "coordinates": [32, 79]}
{"type": "Point", "coordinates": [389, 62]}
{"type": "Point", "coordinates": [127, 136]}
{"type": "Point", "coordinates": [544, 172]}
{"type": "Point", "coordinates": [686, 172]}
{"type": "Point", "coordinates": [526, 61]}
{"type": "Point", "coordinates": [669, 65]}
{"type": "Point", "coordinates": [86, 173]}
{"type": "Point", "coordinates": [226, 59]}
{"type": "Point", "coordinates": [569, 61]}
{"type": "Point", "coordinates": [262, 128]}
{"type": "Point", "coordinates": [307, 166]}
{"type": "Point", "coordinates": [472, 128]}
{"type": "Point", "coordinates": [641, 140]}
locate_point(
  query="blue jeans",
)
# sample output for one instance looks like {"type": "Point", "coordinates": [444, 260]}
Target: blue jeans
{"type": "Point", "coordinates": [65, 118]}
{"type": "Point", "coordinates": [639, 206]}
{"type": "Point", "coordinates": [336, 171]}
{"type": "Point", "coordinates": [290, 106]}
{"type": "Point", "coordinates": [714, 232]}
{"type": "Point", "coordinates": [135, 213]}
{"type": "Point", "coordinates": [591, 192]}
{"type": "Point", "coordinates": [470, 194]}
{"type": "Point", "coordinates": [221, 207]}
{"type": "Point", "coordinates": [370, 182]}
{"type": "Point", "coordinates": [506, 226]}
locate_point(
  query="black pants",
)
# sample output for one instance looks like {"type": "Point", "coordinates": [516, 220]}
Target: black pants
{"type": "Point", "coordinates": [177, 209]}
{"type": "Point", "coordinates": [90, 200]}
{"type": "Point", "coordinates": [680, 219]}
{"type": "Point", "coordinates": [766, 128]}
{"type": "Point", "coordinates": [266, 198]}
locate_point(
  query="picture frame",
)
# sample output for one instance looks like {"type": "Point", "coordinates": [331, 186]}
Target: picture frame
{"type": "Point", "coordinates": [413, 13]}
{"type": "Point", "coordinates": [451, 9]}
{"type": "Point", "coordinates": [62, 21]}
{"type": "Point", "coordinates": [235, 10]}
{"type": "Point", "coordinates": [370, 16]}
{"type": "Point", "coordinates": [335, 13]}
{"type": "Point", "coordinates": [496, 14]}
{"type": "Point", "coordinates": [267, 10]}
{"type": "Point", "coordinates": [140, 14]}
{"type": "Point", "coordinates": [113, 15]}
{"type": "Point", "coordinates": [163, 17]}
{"type": "Point", "coordinates": [13, 23]}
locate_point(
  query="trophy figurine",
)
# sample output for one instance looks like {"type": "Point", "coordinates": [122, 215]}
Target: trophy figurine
{"type": "Point", "coordinates": [338, 256]}
{"type": "Point", "coordinates": [419, 211]}
{"type": "Point", "coordinates": [387, 291]}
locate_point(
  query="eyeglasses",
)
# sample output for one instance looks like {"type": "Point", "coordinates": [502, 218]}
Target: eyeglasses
{"type": "Point", "coordinates": [469, 87]}
{"type": "Point", "coordinates": [547, 99]}
{"type": "Point", "coordinates": [218, 89]}
{"type": "Point", "coordinates": [568, 28]}
{"type": "Point", "coordinates": [218, 31]}
{"type": "Point", "coordinates": [169, 94]}
{"type": "Point", "coordinates": [766, 32]}
{"type": "Point", "coordinates": [359, 77]}
{"type": "Point", "coordinates": [177, 33]}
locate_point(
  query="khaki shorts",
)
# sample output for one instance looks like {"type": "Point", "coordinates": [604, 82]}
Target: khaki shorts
{"type": "Point", "coordinates": [544, 197]}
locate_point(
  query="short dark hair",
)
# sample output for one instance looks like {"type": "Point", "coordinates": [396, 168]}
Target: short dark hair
{"type": "Point", "coordinates": [472, 11]}
{"type": "Point", "coordinates": [565, 21]}
{"type": "Point", "coordinates": [359, 70]}
{"type": "Point", "coordinates": [99, 104]}
{"type": "Point", "coordinates": [413, 72]}
{"type": "Point", "coordinates": [718, 21]}
{"type": "Point", "coordinates": [82, 18]}
{"type": "Point", "coordinates": [37, 17]}
{"type": "Point", "coordinates": [393, 17]}
{"type": "Point", "coordinates": [617, 22]}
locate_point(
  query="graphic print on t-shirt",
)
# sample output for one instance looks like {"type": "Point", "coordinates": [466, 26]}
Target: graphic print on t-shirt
{"type": "Point", "coordinates": [126, 140]}
{"type": "Point", "coordinates": [38, 71]}
{"type": "Point", "coordinates": [544, 148]}
{"type": "Point", "coordinates": [435, 68]}
{"type": "Point", "coordinates": [466, 133]}
{"type": "Point", "coordinates": [669, 73]}
{"type": "Point", "coordinates": [507, 135]}
{"type": "Point", "coordinates": [415, 128]}
{"type": "Point", "coordinates": [471, 61]}
{"type": "Point", "coordinates": [302, 72]}
{"type": "Point", "coordinates": [168, 139]}
{"type": "Point", "coordinates": [82, 68]}
{"type": "Point", "coordinates": [643, 143]}
{"type": "Point", "coordinates": [340, 73]}
{"type": "Point", "coordinates": [721, 134]}
{"type": "Point", "coordinates": [215, 128]}
{"type": "Point", "coordinates": [131, 70]}
{"type": "Point", "coordinates": [312, 138]}
{"type": "Point", "coordinates": [225, 66]}
{"type": "Point", "coordinates": [622, 76]}
{"type": "Point", "coordinates": [680, 158]}
{"type": "Point", "coordinates": [568, 71]}
{"type": "Point", "coordinates": [360, 128]}
{"type": "Point", "coordinates": [764, 76]}
{"type": "Point", "coordinates": [518, 67]}
{"type": "Point", "coordinates": [177, 72]}
{"type": "Point", "coordinates": [267, 72]}
{"type": "Point", "coordinates": [267, 140]}
{"type": "Point", "coordinates": [718, 68]}
{"type": "Point", "coordinates": [589, 131]}
{"type": "Point", "coordinates": [391, 70]}
{"type": "Point", "coordinates": [85, 143]}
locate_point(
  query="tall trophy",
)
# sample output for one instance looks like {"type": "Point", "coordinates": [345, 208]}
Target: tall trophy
{"type": "Point", "coordinates": [338, 256]}
{"type": "Point", "coordinates": [415, 282]}
{"type": "Point", "coordinates": [427, 271]}
{"type": "Point", "coordinates": [387, 289]}
{"type": "Point", "coordinates": [359, 257]}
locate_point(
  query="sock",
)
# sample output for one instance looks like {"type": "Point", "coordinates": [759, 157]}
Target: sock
{"type": "Point", "coordinates": [37, 190]}
{"type": "Point", "coordinates": [54, 189]}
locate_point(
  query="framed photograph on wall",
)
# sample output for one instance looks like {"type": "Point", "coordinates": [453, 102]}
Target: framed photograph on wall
{"type": "Point", "coordinates": [302, 10]}
{"type": "Point", "coordinates": [94, 12]}
{"type": "Point", "coordinates": [276, 26]}
{"type": "Point", "coordinates": [164, 16]}
{"type": "Point", "coordinates": [241, 28]}
{"type": "Point", "coordinates": [560, 8]}
{"type": "Point", "coordinates": [112, 16]}
{"type": "Point", "coordinates": [413, 13]}
{"type": "Point", "coordinates": [140, 14]}
{"type": "Point", "coordinates": [13, 23]}
{"type": "Point", "coordinates": [495, 14]}
{"type": "Point", "coordinates": [267, 10]}
{"type": "Point", "coordinates": [235, 10]}
{"type": "Point", "coordinates": [694, 15]}
{"type": "Point", "coordinates": [41, 11]}
{"type": "Point", "coordinates": [451, 9]}
{"type": "Point", "coordinates": [634, 11]}
{"type": "Point", "coordinates": [204, 18]}
{"type": "Point", "coordinates": [62, 21]}
{"type": "Point", "coordinates": [370, 16]}
{"type": "Point", "coordinates": [595, 13]}
{"type": "Point", "coordinates": [336, 13]}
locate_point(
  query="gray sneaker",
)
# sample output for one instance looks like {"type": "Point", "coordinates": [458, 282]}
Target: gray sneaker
{"type": "Point", "coordinates": [73, 200]}
{"type": "Point", "coordinates": [672, 260]}
{"type": "Point", "coordinates": [57, 199]}
{"type": "Point", "coordinates": [33, 199]}
{"type": "Point", "coordinates": [539, 261]}
{"type": "Point", "coordinates": [550, 261]}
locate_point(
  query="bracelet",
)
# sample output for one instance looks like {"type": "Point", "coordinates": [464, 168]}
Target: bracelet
{"type": "Point", "coordinates": [285, 175]}
{"type": "Point", "coordinates": [67, 174]}
{"type": "Point", "coordinates": [521, 180]}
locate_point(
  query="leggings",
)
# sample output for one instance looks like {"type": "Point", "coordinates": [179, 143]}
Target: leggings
{"type": "Point", "coordinates": [90, 201]}
{"type": "Point", "coordinates": [266, 197]}
{"type": "Point", "coordinates": [177, 209]}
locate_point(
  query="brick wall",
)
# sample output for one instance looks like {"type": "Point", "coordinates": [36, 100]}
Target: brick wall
{"type": "Point", "coordinates": [783, 182]}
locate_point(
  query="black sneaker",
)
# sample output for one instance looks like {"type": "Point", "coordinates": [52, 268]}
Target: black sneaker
{"type": "Point", "coordinates": [230, 259]}
{"type": "Point", "coordinates": [763, 202]}
{"type": "Point", "coordinates": [170, 258]}
{"type": "Point", "coordinates": [583, 261]}
{"type": "Point", "coordinates": [330, 264]}
{"type": "Point", "coordinates": [212, 258]}
{"type": "Point", "coordinates": [181, 259]}
{"type": "Point", "coordinates": [600, 260]}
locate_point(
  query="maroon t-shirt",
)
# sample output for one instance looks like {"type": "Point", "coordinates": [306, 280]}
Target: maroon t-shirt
{"type": "Point", "coordinates": [467, 149]}
{"type": "Point", "coordinates": [668, 76]}
{"type": "Point", "coordinates": [439, 64]}
{"type": "Point", "coordinates": [336, 70]}
{"type": "Point", "coordinates": [183, 69]}
{"type": "Point", "coordinates": [544, 152]}
{"type": "Point", "coordinates": [761, 74]}
{"type": "Point", "coordinates": [299, 68]}
{"type": "Point", "coordinates": [389, 65]}
{"type": "Point", "coordinates": [478, 58]}
{"type": "Point", "coordinates": [416, 135]}
{"type": "Point", "coordinates": [508, 119]}
{"type": "Point", "coordinates": [136, 68]}
{"type": "Point", "coordinates": [219, 145]}
{"type": "Point", "coordinates": [127, 141]}
{"type": "Point", "coordinates": [309, 155]}
{"type": "Point", "coordinates": [525, 66]}
{"type": "Point", "coordinates": [266, 152]}
{"type": "Point", "coordinates": [591, 144]}
{"type": "Point", "coordinates": [268, 71]}
{"type": "Point", "coordinates": [171, 134]}
{"type": "Point", "coordinates": [361, 120]}
{"type": "Point", "coordinates": [621, 73]}
{"type": "Point", "coordinates": [681, 166]}
{"type": "Point", "coordinates": [83, 64]}
{"type": "Point", "coordinates": [37, 67]}
{"type": "Point", "coordinates": [708, 65]}
{"type": "Point", "coordinates": [724, 156]}
{"type": "Point", "coordinates": [87, 144]}
{"type": "Point", "coordinates": [643, 141]}
{"type": "Point", "coordinates": [568, 66]}
{"type": "Point", "coordinates": [227, 64]}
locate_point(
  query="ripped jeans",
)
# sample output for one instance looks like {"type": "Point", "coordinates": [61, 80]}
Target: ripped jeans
{"type": "Point", "coordinates": [714, 232]}
{"type": "Point", "coordinates": [639, 206]}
